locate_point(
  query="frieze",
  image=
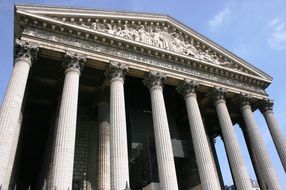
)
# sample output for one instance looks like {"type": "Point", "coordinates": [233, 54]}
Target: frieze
{"type": "Point", "coordinates": [160, 37]}
{"type": "Point", "coordinates": [185, 69]}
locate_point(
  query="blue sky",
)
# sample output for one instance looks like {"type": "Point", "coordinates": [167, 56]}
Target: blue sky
{"type": "Point", "coordinates": [253, 29]}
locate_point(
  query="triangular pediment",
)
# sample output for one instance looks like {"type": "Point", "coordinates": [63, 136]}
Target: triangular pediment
{"type": "Point", "coordinates": [156, 32]}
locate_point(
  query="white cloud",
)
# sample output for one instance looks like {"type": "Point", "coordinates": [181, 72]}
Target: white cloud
{"type": "Point", "coordinates": [218, 19]}
{"type": "Point", "coordinates": [274, 21]}
{"type": "Point", "coordinates": [277, 39]}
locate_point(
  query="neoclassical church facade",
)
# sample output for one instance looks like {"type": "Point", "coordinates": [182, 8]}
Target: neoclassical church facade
{"type": "Point", "coordinates": [120, 100]}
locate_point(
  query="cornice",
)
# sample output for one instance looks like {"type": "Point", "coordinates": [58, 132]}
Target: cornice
{"type": "Point", "coordinates": [56, 10]}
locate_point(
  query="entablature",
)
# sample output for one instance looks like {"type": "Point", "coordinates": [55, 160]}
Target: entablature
{"type": "Point", "coordinates": [138, 61]}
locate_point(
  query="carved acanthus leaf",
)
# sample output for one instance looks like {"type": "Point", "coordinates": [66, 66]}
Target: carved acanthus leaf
{"type": "Point", "coordinates": [25, 49]}
{"type": "Point", "coordinates": [218, 94]}
{"type": "Point", "coordinates": [116, 70]}
{"type": "Point", "coordinates": [245, 99]}
{"type": "Point", "coordinates": [188, 87]}
{"type": "Point", "coordinates": [73, 60]}
{"type": "Point", "coordinates": [266, 105]}
{"type": "Point", "coordinates": [153, 79]}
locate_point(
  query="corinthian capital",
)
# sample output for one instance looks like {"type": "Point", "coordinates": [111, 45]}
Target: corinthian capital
{"type": "Point", "coordinates": [218, 94]}
{"type": "Point", "coordinates": [25, 50]}
{"type": "Point", "coordinates": [154, 79]}
{"type": "Point", "coordinates": [116, 70]}
{"type": "Point", "coordinates": [188, 87]}
{"type": "Point", "coordinates": [267, 105]}
{"type": "Point", "coordinates": [73, 61]}
{"type": "Point", "coordinates": [244, 100]}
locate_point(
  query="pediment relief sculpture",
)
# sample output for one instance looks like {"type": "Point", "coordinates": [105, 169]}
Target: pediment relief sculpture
{"type": "Point", "coordinates": [161, 37]}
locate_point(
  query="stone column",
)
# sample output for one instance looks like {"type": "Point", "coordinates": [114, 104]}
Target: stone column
{"type": "Point", "coordinates": [165, 158]}
{"type": "Point", "coordinates": [62, 169]}
{"type": "Point", "coordinates": [10, 172]}
{"type": "Point", "coordinates": [103, 169]}
{"type": "Point", "coordinates": [238, 167]}
{"type": "Point", "coordinates": [51, 141]}
{"type": "Point", "coordinates": [46, 163]}
{"type": "Point", "coordinates": [258, 145]}
{"type": "Point", "coordinates": [216, 162]}
{"type": "Point", "coordinates": [92, 155]}
{"type": "Point", "coordinates": [118, 133]}
{"type": "Point", "coordinates": [11, 106]}
{"type": "Point", "coordinates": [275, 130]}
{"type": "Point", "coordinates": [207, 170]}
{"type": "Point", "coordinates": [253, 158]}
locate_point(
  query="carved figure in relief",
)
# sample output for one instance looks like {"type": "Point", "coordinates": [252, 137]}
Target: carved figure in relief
{"type": "Point", "coordinates": [207, 57]}
{"type": "Point", "coordinates": [98, 26]}
{"type": "Point", "coordinates": [118, 31]}
{"type": "Point", "coordinates": [94, 26]}
{"type": "Point", "coordinates": [210, 57]}
{"type": "Point", "coordinates": [200, 55]}
{"type": "Point", "coordinates": [167, 39]}
{"type": "Point", "coordinates": [149, 32]}
{"type": "Point", "coordinates": [144, 37]}
{"type": "Point", "coordinates": [225, 63]}
{"type": "Point", "coordinates": [183, 47]}
{"type": "Point", "coordinates": [110, 30]}
{"type": "Point", "coordinates": [159, 37]}
{"type": "Point", "coordinates": [125, 33]}
{"type": "Point", "coordinates": [135, 34]}
{"type": "Point", "coordinates": [177, 44]}
{"type": "Point", "coordinates": [82, 24]}
{"type": "Point", "coordinates": [157, 41]}
{"type": "Point", "coordinates": [215, 59]}
{"type": "Point", "coordinates": [189, 49]}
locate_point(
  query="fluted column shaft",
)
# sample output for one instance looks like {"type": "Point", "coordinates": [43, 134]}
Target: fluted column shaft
{"type": "Point", "coordinates": [118, 132]}
{"type": "Point", "coordinates": [9, 175]}
{"type": "Point", "coordinates": [62, 169]}
{"type": "Point", "coordinates": [238, 167]}
{"type": "Point", "coordinates": [254, 160]}
{"type": "Point", "coordinates": [11, 107]}
{"type": "Point", "coordinates": [216, 162]}
{"type": "Point", "coordinates": [164, 151]}
{"type": "Point", "coordinates": [275, 131]}
{"type": "Point", "coordinates": [92, 155]}
{"type": "Point", "coordinates": [44, 177]}
{"type": "Point", "coordinates": [51, 144]}
{"type": "Point", "coordinates": [207, 170]}
{"type": "Point", "coordinates": [256, 141]}
{"type": "Point", "coordinates": [103, 171]}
